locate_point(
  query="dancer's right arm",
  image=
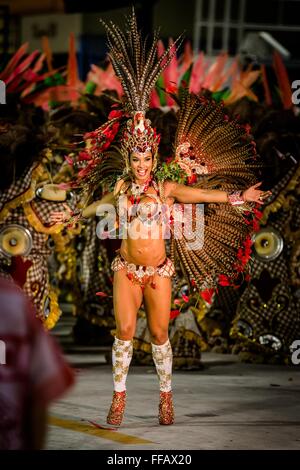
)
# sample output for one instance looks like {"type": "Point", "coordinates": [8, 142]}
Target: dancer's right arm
{"type": "Point", "coordinates": [91, 210]}
{"type": "Point", "coordinates": [109, 198]}
{"type": "Point", "coordinates": [68, 216]}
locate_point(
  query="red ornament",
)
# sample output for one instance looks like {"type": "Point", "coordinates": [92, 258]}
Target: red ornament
{"type": "Point", "coordinates": [223, 280]}
{"type": "Point", "coordinates": [174, 314]}
{"type": "Point", "coordinates": [207, 295]}
{"type": "Point", "coordinates": [101, 294]}
{"type": "Point", "coordinates": [115, 114]}
{"type": "Point", "coordinates": [192, 179]}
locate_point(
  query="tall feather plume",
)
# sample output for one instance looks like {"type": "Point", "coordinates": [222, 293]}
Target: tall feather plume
{"type": "Point", "coordinates": [135, 62]}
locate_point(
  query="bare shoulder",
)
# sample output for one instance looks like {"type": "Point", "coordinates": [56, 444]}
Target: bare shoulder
{"type": "Point", "coordinates": [169, 188]}
{"type": "Point", "coordinates": [118, 186]}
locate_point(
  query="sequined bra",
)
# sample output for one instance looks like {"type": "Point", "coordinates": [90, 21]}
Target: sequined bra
{"type": "Point", "coordinates": [146, 212]}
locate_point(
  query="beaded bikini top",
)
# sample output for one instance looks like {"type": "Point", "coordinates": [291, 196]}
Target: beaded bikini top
{"type": "Point", "coordinates": [146, 212]}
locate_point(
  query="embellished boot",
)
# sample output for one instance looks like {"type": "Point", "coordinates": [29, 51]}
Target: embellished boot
{"type": "Point", "coordinates": [162, 357]}
{"type": "Point", "coordinates": [166, 408]}
{"type": "Point", "coordinates": [117, 408]}
{"type": "Point", "coordinates": [121, 358]}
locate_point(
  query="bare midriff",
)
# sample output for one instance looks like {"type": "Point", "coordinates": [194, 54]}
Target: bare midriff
{"type": "Point", "coordinates": [143, 252]}
{"type": "Point", "coordinates": [147, 245]}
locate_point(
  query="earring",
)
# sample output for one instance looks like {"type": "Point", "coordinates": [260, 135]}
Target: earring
{"type": "Point", "coordinates": [127, 166]}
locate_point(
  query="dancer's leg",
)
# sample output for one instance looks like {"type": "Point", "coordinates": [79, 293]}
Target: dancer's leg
{"type": "Point", "coordinates": [127, 300]}
{"type": "Point", "coordinates": [158, 303]}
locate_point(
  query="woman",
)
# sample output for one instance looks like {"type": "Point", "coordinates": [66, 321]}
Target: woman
{"type": "Point", "coordinates": [142, 272]}
{"type": "Point", "coordinates": [153, 289]}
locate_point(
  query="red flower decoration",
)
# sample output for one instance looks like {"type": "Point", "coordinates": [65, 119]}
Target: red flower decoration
{"type": "Point", "coordinates": [115, 114]}
{"type": "Point", "coordinates": [171, 89]}
{"type": "Point", "coordinates": [258, 214]}
{"type": "Point", "coordinates": [192, 179]}
{"type": "Point", "coordinates": [174, 314]}
{"type": "Point", "coordinates": [207, 295]}
{"type": "Point", "coordinates": [255, 225]}
{"type": "Point", "coordinates": [90, 135]}
{"type": "Point", "coordinates": [84, 156]}
{"type": "Point", "coordinates": [223, 280]}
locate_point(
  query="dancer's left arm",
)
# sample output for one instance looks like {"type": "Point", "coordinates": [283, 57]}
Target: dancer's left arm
{"type": "Point", "coordinates": [188, 194]}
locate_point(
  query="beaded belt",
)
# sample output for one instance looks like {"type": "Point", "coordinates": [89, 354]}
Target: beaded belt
{"type": "Point", "coordinates": [142, 275]}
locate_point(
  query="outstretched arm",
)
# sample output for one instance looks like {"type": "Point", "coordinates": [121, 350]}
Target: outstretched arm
{"type": "Point", "coordinates": [89, 211]}
{"type": "Point", "coordinates": [187, 194]}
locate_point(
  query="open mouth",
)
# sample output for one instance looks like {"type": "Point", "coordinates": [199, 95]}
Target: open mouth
{"type": "Point", "coordinates": [141, 172]}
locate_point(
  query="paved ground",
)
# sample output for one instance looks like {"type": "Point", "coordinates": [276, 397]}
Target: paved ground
{"type": "Point", "coordinates": [228, 405]}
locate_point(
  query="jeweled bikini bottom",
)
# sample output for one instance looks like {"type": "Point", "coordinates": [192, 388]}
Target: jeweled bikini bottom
{"type": "Point", "coordinates": [143, 275]}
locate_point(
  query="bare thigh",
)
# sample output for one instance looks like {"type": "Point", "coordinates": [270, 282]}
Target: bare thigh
{"type": "Point", "coordinates": [158, 304]}
{"type": "Point", "coordinates": [127, 301]}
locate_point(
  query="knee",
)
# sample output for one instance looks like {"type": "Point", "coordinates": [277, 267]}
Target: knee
{"type": "Point", "coordinates": [159, 336]}
{"type": "Point", "coordinates": [125, 333]}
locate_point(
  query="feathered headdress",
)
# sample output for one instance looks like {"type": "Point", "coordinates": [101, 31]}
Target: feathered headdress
{"type": "Point", "coordinates": [137, 66]}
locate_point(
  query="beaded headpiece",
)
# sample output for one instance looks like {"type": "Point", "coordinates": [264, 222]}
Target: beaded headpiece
{"type": "Point", "coordinates": [139, 137]}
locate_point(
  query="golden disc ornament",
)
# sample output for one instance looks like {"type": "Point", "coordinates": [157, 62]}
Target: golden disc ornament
{"type": "Point", "coordinates": [268, 244]}
{"type": "Point", "coordinates": [15, 240]}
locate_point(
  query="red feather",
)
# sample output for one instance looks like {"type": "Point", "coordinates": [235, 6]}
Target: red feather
{"type": "Point", "coordinates": [268, 97]}
{"type": "Point", "coordinates": [13, 61]}
{"type": "Point", "coordinates": [72, 70]}
{"type": "Point", "coordinates": [22, 67]}
{"type": "Point", "coordinates": [48, 52]}
{"type": "Point", "coordinates": [207, 295]}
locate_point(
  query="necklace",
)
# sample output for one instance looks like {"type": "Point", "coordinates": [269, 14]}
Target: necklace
{"type": "Point", "coordinates": [138, 189]}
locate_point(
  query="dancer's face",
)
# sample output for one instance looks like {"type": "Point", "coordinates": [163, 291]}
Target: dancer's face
{"type": "Point", "coordinates": [141, 166]}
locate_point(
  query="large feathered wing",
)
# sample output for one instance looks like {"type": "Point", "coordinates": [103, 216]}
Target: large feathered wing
{"type": "Point", "coordinates": [221, 153]}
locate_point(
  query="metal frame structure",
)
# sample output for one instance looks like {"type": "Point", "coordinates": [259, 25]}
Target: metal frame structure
{"type": "Point", "coordinates": [4, 29]}
{"type": "Point", "coordinates": [240, 25]}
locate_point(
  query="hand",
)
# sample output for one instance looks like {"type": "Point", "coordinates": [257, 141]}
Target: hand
{"type": "Point", "coordinates": [59, 217]}
{"type": "Point", "coordinates": [253, 194]}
